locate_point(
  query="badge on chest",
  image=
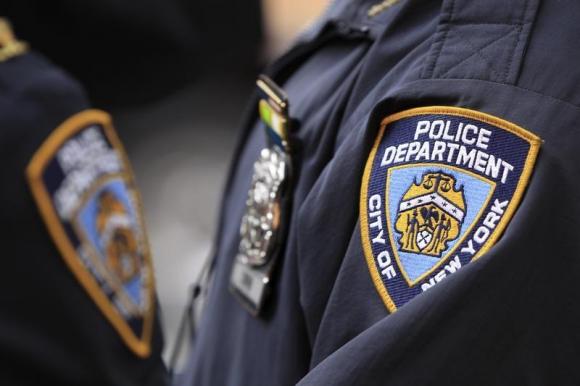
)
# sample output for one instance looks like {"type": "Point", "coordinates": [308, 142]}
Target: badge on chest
{"type": "Point", "coordinates": [262, 228]}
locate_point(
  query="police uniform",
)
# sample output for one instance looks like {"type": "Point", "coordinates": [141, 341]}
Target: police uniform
{"type": "Point", "coordinates": [77, 299]}
{"type": "Point", "coordinates": [432, 229]}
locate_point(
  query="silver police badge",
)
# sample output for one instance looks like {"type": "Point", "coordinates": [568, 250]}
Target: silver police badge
{"type": "Point", "coordinates": [258, 231]}
{"type": "Point", "coordinates": [262, 226]}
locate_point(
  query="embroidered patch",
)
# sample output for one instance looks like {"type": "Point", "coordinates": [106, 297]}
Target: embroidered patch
{"type": "Point", "coordinates": [85, 191]}
{"type": "Point", "coordinates": [439, 187]}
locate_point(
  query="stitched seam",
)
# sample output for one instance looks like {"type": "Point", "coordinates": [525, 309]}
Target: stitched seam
{"type": "Point", "coordinates": [517, 43]}
{"type": "Point", "coordinates": [381, 94]}
{"type": "Point", "coordinates": [513, 55]}
{"type": "Point", "coordinates": [484, 23]}
{"type": "Point", "coordinates": [484, 58]}
{"type": "Point", "coordinates": [445, 34]}
{"type": "Point", "coordinates": [433, 66]}
{"type": "Point", "coordinates": [476, 52]}
{"type": "Point", "coordinates": [554, 98]}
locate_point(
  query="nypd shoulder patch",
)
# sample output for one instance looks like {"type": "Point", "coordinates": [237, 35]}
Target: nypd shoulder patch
{"type": "Point", "coordinates": [439, 187]}
{"type": "Point", "coordinates": [84, 188]}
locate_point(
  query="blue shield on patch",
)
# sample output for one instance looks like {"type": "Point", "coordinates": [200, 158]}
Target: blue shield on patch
{"type": "Point", "coordinates": [425, 237]}
{"type": "Point", "coordinates": [107, 221]}
{"type": "Point", "coordinates": [440, 185]}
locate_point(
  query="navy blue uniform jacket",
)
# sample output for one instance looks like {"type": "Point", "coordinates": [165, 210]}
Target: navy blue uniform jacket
{"type": "Point", "coordinates": [511, 318]}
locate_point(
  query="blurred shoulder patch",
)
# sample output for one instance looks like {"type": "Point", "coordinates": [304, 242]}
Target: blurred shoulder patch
{"type": "Point", "coordinates": [439, 187]}
{"type": "Point", "coordinates": [84, 187]}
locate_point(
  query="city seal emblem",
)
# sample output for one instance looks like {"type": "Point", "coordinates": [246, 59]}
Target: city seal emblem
{"type": "Point", "coordinates": [439, 187]}
{"type": "Point", "coordinates": [430, 214]}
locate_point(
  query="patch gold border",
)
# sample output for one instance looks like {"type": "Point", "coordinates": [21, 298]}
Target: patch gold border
{"type": "Point", "coordinates": [532, 139]}
{"type": "Point", "coordinates": [141, 346]}
{"type": "Point", "coordinates": [443, 259]}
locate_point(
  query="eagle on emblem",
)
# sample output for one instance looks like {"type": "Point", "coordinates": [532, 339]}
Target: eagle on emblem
{"type": "Point", "coordinates": [430, 215]}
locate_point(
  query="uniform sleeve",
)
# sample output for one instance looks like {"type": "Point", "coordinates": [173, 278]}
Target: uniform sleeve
{"type": "Point", "coordinates": [52, 330]}
{"type": "Point", "coordinates": [497, 305]}
{"type": "Point", "coordinates": [399, 312]}
{"type": "Point", "coordinates": [433, 234]}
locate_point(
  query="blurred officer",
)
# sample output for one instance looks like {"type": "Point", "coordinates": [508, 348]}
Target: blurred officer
{"type": "Point", "coordinates": [77, 303]}
{"type": "Point", "coordinates": [412, 216]}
